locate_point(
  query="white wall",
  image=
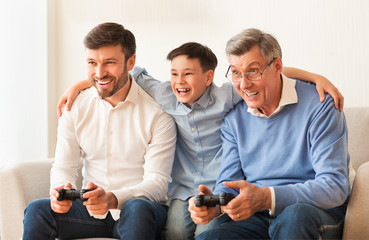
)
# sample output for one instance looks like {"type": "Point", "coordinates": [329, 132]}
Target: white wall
{"type": "Point", "coordinates": [329, 37]}
{"type": "Point", "coordinates": [23, 67]}
{"type": "Point", "coordinates": [43, 52]}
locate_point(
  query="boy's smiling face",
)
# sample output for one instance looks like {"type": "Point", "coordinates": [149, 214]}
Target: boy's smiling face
{"type": "Point", "coordinates": [189, 81]}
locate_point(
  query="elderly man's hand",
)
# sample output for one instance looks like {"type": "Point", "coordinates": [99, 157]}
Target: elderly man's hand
{"type": "Point", "coordinates": [250, 200]}
{"type": "Point", "coordinates": [203, 214]}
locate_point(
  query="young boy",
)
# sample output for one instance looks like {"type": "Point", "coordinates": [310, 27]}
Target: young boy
{"type": "Point", "coordinates": [198, 108]}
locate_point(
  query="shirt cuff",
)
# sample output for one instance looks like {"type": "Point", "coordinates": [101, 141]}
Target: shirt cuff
{"type": "Point", "coordinates": [272, 195]}
{"type": "Point", "coordinates": [123, 196]}
{"type": "Point", "coordinates": [98, 216]}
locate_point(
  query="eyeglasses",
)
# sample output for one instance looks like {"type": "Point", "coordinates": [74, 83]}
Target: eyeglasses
{"type": "Point", "coordinates": [254, 75]}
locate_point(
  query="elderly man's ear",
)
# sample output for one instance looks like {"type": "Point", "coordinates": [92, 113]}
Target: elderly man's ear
{"type": "Point", "coordinates": [278, 66]}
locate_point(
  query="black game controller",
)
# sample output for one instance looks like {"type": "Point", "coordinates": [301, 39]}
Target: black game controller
{"type": "Point", "coordinates": [212, 200]}
{"type": "Point", "coordinates": [73, 194]}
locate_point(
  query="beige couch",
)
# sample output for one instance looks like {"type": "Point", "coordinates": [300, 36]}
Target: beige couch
{"type": "Point", "coordinates": [20, 183]}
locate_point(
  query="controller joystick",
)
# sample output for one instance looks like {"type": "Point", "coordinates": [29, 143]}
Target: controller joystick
{"type": "Point", "coordinates": [73, 194]}
{"type": "Point", "coordinates": [212, 200]}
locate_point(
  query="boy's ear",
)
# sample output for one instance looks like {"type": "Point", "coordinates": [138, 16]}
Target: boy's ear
{"type": "Point", "coordinates": [209, 77]}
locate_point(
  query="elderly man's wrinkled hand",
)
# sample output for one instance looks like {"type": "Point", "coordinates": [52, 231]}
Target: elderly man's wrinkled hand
{"type": "Point", "coordinates": [250, 200]}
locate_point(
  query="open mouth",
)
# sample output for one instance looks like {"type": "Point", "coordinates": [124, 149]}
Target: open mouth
{"type": "Point", "coordinates": [251, 94]}
{"type": "Point", "coordinates": [104, 82]}
{"type": "Point", "coordinates": [182, 91]}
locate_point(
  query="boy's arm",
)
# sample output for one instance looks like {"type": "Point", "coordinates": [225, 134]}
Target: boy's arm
{"type": "Point", "coordinates": [68, 96]}
{"type": "Point", "coordinates": [322, 84]}
{"type": "Point", "coordinates": [146, 82]}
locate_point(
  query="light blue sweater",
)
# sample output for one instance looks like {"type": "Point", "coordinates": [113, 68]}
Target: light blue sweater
{"type": "Point", "coordinates": [302, 151]}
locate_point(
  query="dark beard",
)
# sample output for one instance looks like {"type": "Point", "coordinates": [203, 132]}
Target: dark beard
{"type": "Point", "coordinates": [118, 84]}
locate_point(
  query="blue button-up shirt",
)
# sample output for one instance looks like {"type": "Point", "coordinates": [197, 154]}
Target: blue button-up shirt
{"type": "Point", "coordinates": [199, 145]}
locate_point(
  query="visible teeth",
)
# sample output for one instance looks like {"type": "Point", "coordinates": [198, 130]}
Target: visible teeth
{"type": "Point", "coordinates": [251, 94]}
{"type": "Point", "coordinates": [103, 82]}
{"type": "Point", "coordinates": [183, 89]}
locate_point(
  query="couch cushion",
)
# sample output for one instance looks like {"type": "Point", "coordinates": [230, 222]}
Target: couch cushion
{"type": "Point", "coordinates": [358, 134]}
{"type": "Point", "coordinates": [356, 222]}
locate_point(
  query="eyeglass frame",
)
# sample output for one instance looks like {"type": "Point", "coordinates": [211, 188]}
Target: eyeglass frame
{"type": "Point", "coordinates": [246, 74]}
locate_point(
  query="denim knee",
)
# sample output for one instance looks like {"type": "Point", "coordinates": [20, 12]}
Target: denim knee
{"type": "Point", "coordinates": [37, 209]}
{"type": "Point", "coordinates": [179, 224]}
{"type": "Point", "coordinates": [211, 234]}
{"type": "Point", "coordinates": [38, 204]}
{"type": "Point", "coordinates": [296, 221]}
{"type": "Point", "coordinates": [38, 220]}
{"type": "Point", "coordinates": [141, 219]}
{"type": "Point", "coordinates": [136, 207]}
{"type": "Point", "coordinates": [297, 212]}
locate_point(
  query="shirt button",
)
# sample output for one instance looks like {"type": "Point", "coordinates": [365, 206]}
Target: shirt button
{"type": "Point", "coordinates": [190, 114]}
{"type": "Point", "coordinates": [197, 144]}
{"type": "Point", "coordinates": [193, 129]}
{"type": "Point", "coordinates": [200, 159]}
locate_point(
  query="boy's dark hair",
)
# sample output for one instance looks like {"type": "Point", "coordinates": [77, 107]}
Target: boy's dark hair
{"type": "Point", "coordinates": [107, 34]}
{"type": "Point", "coordinates": [192, 50]}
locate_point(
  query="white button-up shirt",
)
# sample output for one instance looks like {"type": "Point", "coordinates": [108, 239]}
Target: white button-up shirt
{"type": "Point", "coordinates": [127, 150]}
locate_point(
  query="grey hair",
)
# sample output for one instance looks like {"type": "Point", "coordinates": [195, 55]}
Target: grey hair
{"type": "Point", "coordinates": [244, 41]}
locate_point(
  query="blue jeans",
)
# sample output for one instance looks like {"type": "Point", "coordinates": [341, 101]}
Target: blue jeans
{"type": "Point", "coordinates": [139, 219]}
{"type": "Point", "coordinates": [180, 225]}
{"type": "Point", "coordinates": [299, 221]}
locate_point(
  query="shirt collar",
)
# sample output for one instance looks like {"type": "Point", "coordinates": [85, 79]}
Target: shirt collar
{"type": "Point", "coordinates": [288, 96]}
{"type": "Point", "coordinates": [133, 95]}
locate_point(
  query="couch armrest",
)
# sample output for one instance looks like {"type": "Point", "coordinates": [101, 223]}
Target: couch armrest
{"type": "Point", "coordinates": [356, 222]}
{"type": "Point", "coordinates": [20, 183]}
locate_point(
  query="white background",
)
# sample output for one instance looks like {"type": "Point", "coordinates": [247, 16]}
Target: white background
{"type": "Point", "coordinates": [42, 50]}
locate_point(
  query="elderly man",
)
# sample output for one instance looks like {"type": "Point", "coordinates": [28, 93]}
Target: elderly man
{"type": "Point", "coordinates": [127, 143]}
{"type": "Point", "coordinates": [285, 156]}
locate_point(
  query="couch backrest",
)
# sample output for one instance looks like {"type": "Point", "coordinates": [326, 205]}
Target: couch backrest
{"type": "Point", "coordinates": [36, 176]}
{"type": "Point", "coordinates": [358, 134]}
